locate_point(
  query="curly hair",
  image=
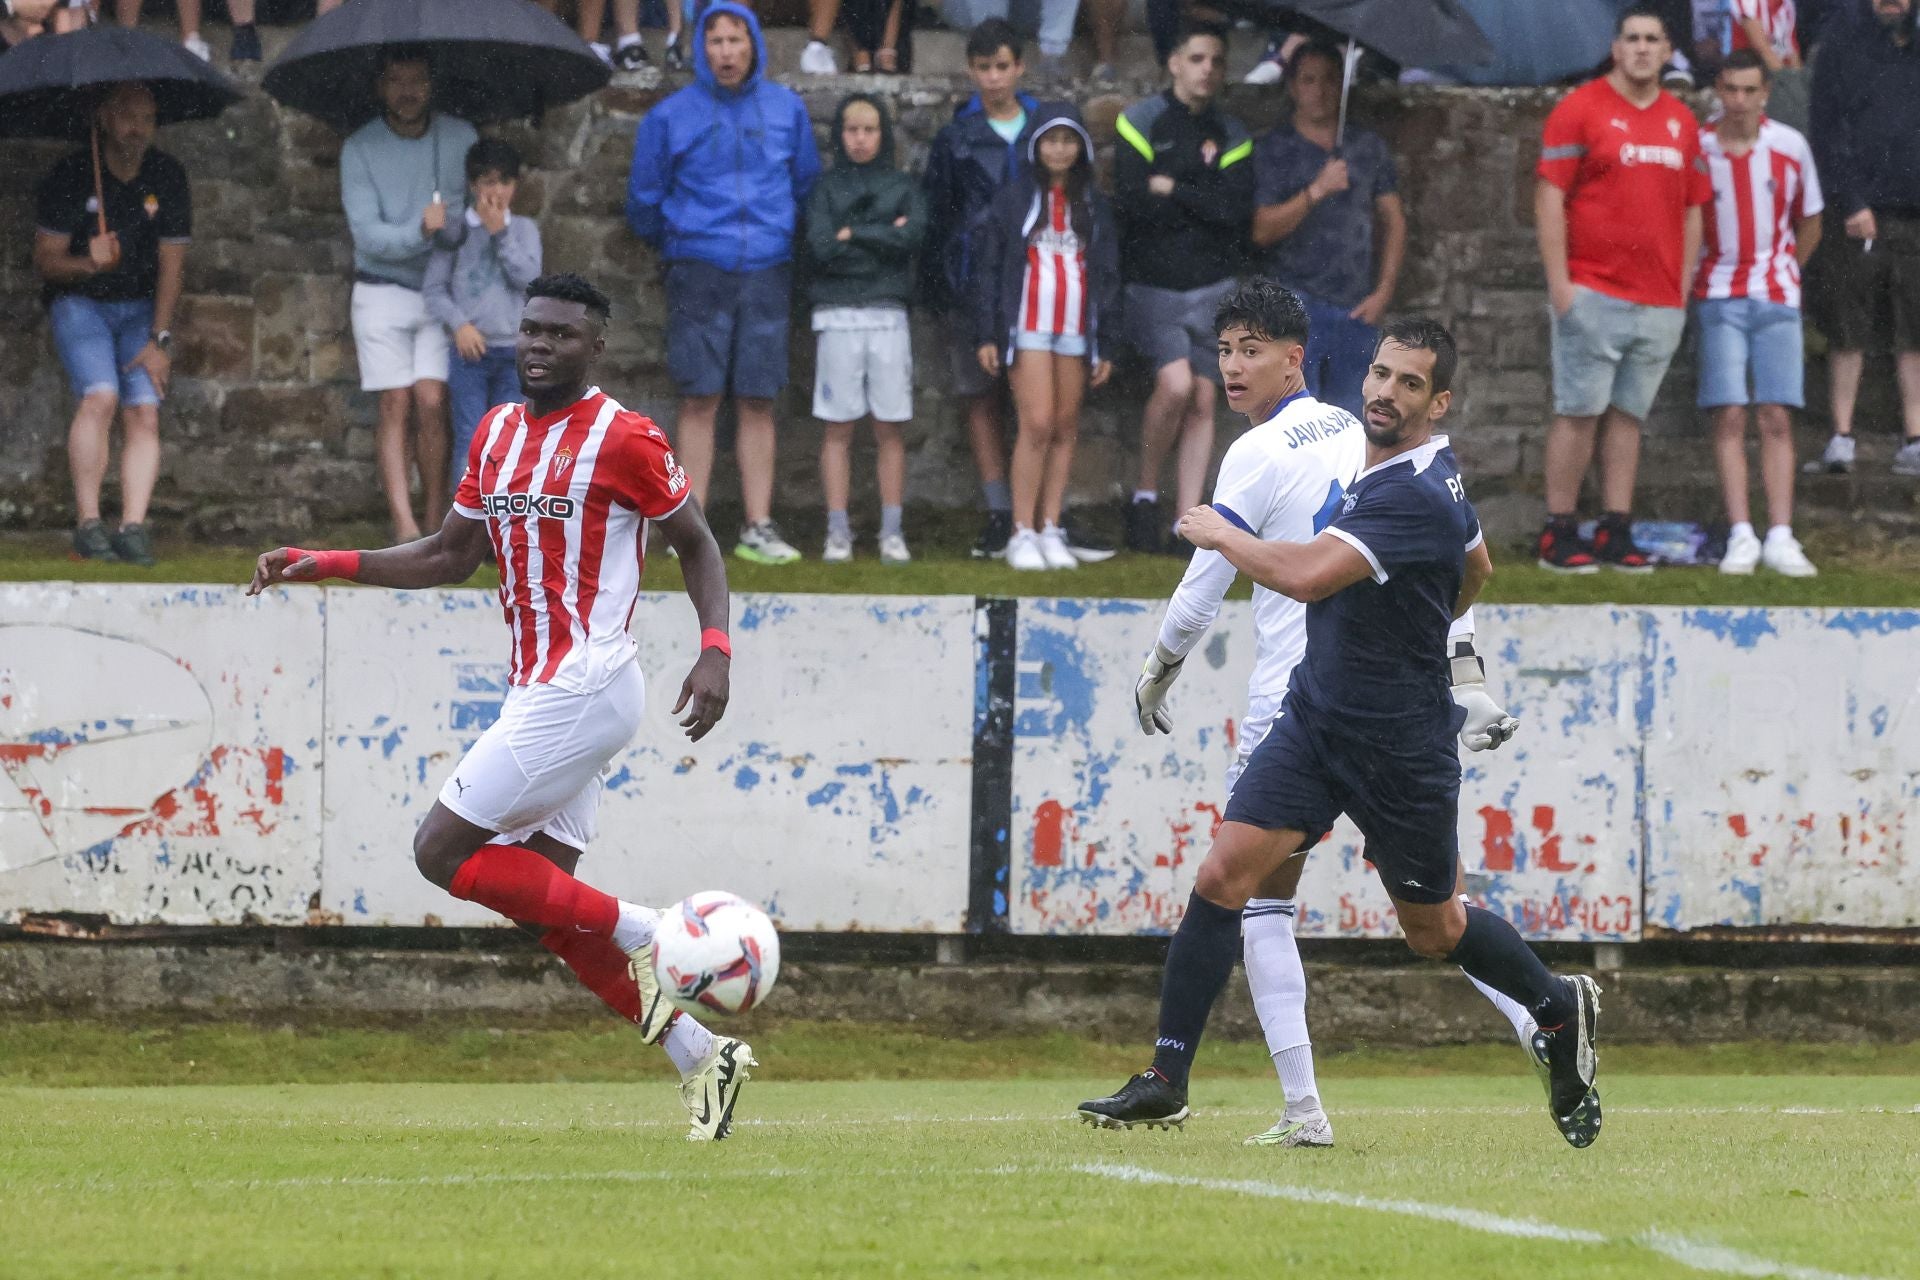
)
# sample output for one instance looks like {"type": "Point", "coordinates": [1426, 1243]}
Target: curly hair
{"type": "Point", "coordinates": [568, 287]}
{"type": "Point", "coordinates": [1265, 308]}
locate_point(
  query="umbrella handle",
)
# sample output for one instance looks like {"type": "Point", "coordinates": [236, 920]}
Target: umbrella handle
{"type": "Point", "coordinates": [99, 186]}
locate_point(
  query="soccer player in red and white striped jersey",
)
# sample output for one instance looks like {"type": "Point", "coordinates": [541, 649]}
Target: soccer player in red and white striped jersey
{"type": "Point", "coordinates": [1763, 227]}
{"type": "Point", "coordinates": [1768, 28]}
{"type": "Point", "coordinates": [563, 487]}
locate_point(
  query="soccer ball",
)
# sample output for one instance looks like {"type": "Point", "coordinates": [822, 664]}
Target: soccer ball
{"type": "Point", "coordinates": [716, 951]}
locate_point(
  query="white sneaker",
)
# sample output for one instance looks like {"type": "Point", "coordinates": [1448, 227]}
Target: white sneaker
{"type": "Point", "coordinates": [763, 543]}
{"type": "Point", "coordinates": [656, 1011]}
{"type": "Point", "coordinates": [1023, 551]}
{"type": "Point", "coordinates": [711, 1091]}
{"type": "Point", "coordinates": [1783, 555]}
{"type": "Point", "coordinates": [839, 548]}
{"type": "Point", "coordinates": [1053, 549]}
{"type": "Point", "coordinates": [893, 549]}
{"type": "Point", "coordinates": [1313, 1130]}
{"type": "Point", "coordinates": [1743, 553]}
{"type": "Point", "coordinates": [817, 59]}
{"type": "Point", "coordinates": [198, 48]}
{"type": "Point", "coordinates": [1265, 71]}
{"type": "Point", "coordinates": [1837, 460]}
{"type": "Point", "coordinates": [1907, 461]}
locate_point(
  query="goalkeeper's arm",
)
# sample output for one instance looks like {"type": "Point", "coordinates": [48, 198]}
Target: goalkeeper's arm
{"type": "Point", "coordinates": [1487, 726]}
{"type": "Point", "coordinates": [1194, 606]}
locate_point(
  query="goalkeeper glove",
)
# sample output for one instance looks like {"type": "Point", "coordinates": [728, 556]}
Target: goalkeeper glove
{"type": "Point", "coordinates": [1487, 725]}
{"type": "Point", "coordinates": [1150, 694]}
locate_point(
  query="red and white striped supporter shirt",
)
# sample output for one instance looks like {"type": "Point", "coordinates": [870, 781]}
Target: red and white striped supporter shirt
{"type": "Point", "coordinates": [1758, 200]}
{"type": "Point", "coordinates": [1776, 18]}
{"type": "Point", "coordinates": [566, 499]}
{"type": "Point", "coordinates": [1053, 298]}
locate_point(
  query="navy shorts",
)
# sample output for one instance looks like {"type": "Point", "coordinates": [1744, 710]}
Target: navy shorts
{"type": "Point", "coordinates": [1403, 795]}
{"type": "Point", "coordinates": [727, 330]}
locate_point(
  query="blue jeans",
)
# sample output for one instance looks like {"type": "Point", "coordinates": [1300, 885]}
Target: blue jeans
{"type": "Point", "coordinates": [473, 387]}
{"type": "Point", "coordinates": [1750, 341]}
{"type": "Point", "coordinates": [1339, 353]}
{"type": "Point", "coordinates": [1053, 19]}
{"type": "Point", "coordinates": [97, 340]}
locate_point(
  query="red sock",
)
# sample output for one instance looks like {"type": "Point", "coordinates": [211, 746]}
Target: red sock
{"type": "Point", "coordinates": [600, 966]}
{"type": "Point", "coordinates": [522, 885]}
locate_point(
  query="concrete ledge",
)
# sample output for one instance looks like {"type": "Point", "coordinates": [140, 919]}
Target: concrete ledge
{"type": "Point", "coordinates": [1400, 1007]}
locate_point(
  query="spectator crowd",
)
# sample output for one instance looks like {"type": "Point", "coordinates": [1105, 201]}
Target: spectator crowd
{"type": "Point", "coordinates": [1042, 280]}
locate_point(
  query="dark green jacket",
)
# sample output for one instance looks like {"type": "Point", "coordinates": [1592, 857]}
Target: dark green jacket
{"type": "Point", "coordinates": [874, 266]}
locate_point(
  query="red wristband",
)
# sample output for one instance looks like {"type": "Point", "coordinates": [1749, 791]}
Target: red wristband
{"type": "Point", "coordinates": [715, 638]}
{"type": "Point", "coordinates": [326, 564]}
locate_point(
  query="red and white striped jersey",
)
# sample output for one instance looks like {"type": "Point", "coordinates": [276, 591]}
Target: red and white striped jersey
{"type": "Point", "coordinates": [1776, 18]}
{"type": "Point", "coordinates": [1053, 296]}
{"type": "Point", "coordinates": [1758, 200]}
{"type": "Point", "coordinates": [566, 499]}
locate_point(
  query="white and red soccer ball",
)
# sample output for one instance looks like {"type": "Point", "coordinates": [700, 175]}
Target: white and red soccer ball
{"type": "Point", "coordinates": [716, 951]}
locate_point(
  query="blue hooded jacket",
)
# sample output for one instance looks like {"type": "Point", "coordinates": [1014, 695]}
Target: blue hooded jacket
{"type": "Point", "coordinates": [720, 175]}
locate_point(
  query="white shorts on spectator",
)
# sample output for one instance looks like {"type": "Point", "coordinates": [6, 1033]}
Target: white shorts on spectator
{"type": "Point", "coordinates": [863, 364]}
{"type": "Point", "coordinates": [397, 341]}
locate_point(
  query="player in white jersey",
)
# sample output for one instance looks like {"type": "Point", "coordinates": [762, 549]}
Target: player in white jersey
{"type": "Point", "coordinates": [564, 487]}
{"type": "Point", "coordinates": [1284, 481]}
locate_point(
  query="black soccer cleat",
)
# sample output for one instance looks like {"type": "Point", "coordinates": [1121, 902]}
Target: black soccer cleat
{"type": "Point", "coordinates": [1149, 1099]}
{"type": "Point", "coordinates": [1572, 1063]}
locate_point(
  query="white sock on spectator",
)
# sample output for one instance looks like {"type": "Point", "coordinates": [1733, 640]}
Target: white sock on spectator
{"type": "Point", "coordinates": [1740, 529]}
{"type": "Point", "coordinates": [626, 41]}
{"type": "Point", "coordinates": [602, 48]}
{"type": "Point", "coordinates": [1146, 495]}
{"type": "Point", "coordinates": [1780, 533]}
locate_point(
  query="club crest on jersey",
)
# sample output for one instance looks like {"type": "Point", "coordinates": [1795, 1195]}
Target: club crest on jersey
{"type": "Point", "coordinates": [545, 506]}
{"type": "Point", "coordinates": [562, 461]}
{"type": "Point", "coordinates": [676, 474]}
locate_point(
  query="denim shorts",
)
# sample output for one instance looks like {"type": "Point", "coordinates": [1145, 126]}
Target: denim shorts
{"type": "Point", "coordinates": [727, 330]}
{"type": "Point", "coordinates": [1611, 352]}
{"type": "Point", "coordinates": [1750, 341]}
{"type": "Point", "coordinates": [1061, 344]}
{"type": "Point", "coordinates": [97, 340]}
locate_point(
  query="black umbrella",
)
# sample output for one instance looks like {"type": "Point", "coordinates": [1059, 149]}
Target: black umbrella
{"type": "Point", "coordinates": [492, 59]}
{"type": "Point", "coordinates": [50, 84]}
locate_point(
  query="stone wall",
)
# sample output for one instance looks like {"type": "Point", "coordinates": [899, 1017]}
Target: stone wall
{"type": "Point", "coordinates": [268, 434]}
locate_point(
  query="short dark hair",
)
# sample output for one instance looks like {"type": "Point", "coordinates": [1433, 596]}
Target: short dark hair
{"type": "Point", "coordinates": [394, 54]}
{"type": "Point", "coordinates": [1191, 27]}
{"type": "Point", "coordinates": [568, 287]}
{"type": "Point", "coordinates": [1265, 308]}
{"type": "Point", "coordinates": [1418, 333]}
{"type": "Point", "coordinates": [1316, 48]}
{"type": "Point", "coordinates": [1642, 11]}
{"type": "Point", "coordinates": [492, 155]}
{"type": "Point", "coordinates": [990, 37]}
{"type": "Point", "coordinates": [1746, 60]}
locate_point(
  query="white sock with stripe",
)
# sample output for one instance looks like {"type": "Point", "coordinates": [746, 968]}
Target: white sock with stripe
{"type": "Point", "coordinates": [1279, 985]}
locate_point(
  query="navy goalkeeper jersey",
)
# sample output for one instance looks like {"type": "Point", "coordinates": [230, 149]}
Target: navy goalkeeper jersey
{"type": "Point", "coordinates": [1377, 651]}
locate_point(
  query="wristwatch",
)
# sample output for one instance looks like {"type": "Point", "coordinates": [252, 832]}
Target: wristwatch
{"type": "Point", "coordinates": [163, 339]}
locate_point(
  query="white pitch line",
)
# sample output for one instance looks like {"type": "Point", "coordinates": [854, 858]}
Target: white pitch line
{"type": "Point", "coordinates": [1696, 1254]}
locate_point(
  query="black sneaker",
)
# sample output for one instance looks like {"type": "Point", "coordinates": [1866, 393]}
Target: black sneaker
{"type": "Point", "coordinates": [1146, 530]}
{"type": "Point", "coordinates": [1614, 548]}
{"type": "Point", "coordinates": [246, 44]}
{"type": "Point", "coordinates": [1562, 550]}
{"type": "Point", "coordinates": [1086, 546]}
{"type": "Point", "coordinates": [992, 542]}
{"type": "Point", "coordinates": [630, 57]}
{"type": "Point", "coordinates": [1572, 1063]}
{"type": "Point", "coordinates": [1148, 1099]}
{"type": "Point", "coordinates": [92, 542]}
{"type": "Point", "coordinates": [133, 545]}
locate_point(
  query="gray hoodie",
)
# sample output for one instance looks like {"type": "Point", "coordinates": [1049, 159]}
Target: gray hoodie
{"type": "Point", "coordinates": [484, 282]}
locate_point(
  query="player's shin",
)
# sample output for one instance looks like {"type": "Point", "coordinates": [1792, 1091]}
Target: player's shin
{"type": "Point", "coordinates": [1199, 962]}
{"type": "Point", "coordinates": [1491, 951]}
{"type": "Point", "coordinates": [522, 885]}
{"type": "Point", "coordinates": [1279, 985]}
{"type": "Point", "coordinates": [601, 967]}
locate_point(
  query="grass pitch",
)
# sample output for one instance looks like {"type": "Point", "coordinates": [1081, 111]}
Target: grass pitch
{"type": "Point", "coordinates": [1446, 1166]}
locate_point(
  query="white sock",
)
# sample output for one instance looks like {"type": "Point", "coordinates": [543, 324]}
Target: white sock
{"type": "Point", "coordinates": [1740, 529]}
{"type": "Point", "coordinates": [687, 1043]}
{"type": "Point", "coordinates": [1146, 495]}
{"type": "Point", "coordinates": [1279, 985]}
{"type": "Point", "coordinates": [635, 926]}
{"type": "Point", "coordinates": [602, 48]}
{"type": "Point", "coordinates": [1780, 533]}
{"type": "Point", "coordinates": [625, 41]}
{"type": "Point", "coordinates": [1512, 1009]}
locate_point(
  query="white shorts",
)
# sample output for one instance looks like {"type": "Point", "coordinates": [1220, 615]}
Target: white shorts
{"type": "Point", "coordinates": [538, 767]}
{"type": "Point", "coordinates": [398, 343]}
{"type": "Point", "coordinates": [863, 371]}
{"type": "Point", "coordinates": [1261, 710]}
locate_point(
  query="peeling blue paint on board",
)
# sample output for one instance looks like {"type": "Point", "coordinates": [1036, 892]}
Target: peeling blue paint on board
{"type": "Point", "coordinates": [1879, 622]}
{"type": "Point", "coordinates": [1744, 627]}
{"type": "Point", "coordinates": [757, 611]}
{"type": "Point", "coordinates": [1053, 673]}
{"type": "Point", "coordinates": [825, 794]}
{"type": "Point", "coordinates": [746, 778]}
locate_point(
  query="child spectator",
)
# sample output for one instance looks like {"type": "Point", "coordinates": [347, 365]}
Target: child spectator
{"type": "Point", "coordinates": [478, 289]}
{"type": "Point", "coordinates": [864, 222]}
{"type": "Point", "coordinates": [1046, 277]}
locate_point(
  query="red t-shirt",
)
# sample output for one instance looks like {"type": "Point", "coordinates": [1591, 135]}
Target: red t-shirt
{"type": "Point", "coordinates": [1630, 174]}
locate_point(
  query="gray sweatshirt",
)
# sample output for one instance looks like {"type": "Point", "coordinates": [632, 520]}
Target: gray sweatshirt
{"type": "Point", "coordinates": [387, 181]}
{"type": "Point", "coordinates": [484, 281]}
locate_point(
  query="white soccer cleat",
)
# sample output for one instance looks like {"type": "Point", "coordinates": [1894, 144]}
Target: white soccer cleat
{"type": "Point", "coordinates": [710, 1092]}
{"type": "Point", "coordinates": [1784, 556]}
{"type": "Point", "coordinates": [1308, 1131]}
{"type": "Point", "coordinates": [656, 1011]}
{"type": "Point", "coordinates": [1743, 554]}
